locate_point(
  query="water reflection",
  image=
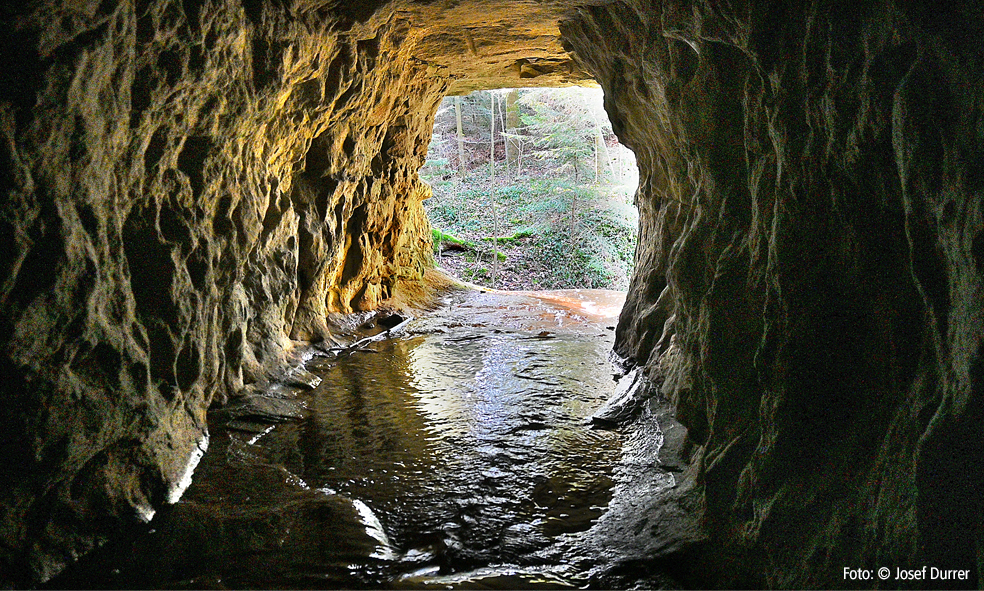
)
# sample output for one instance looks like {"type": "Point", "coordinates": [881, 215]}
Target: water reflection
{"type": "Point", "coordinates": [466, 436]}
{"type": "Point", "coordinates": [453, 454]}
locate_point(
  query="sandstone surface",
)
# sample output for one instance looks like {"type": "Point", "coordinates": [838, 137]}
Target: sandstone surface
{"type": "Point", "coordinates": [190, 188]}
{"type": "Point", "coordinates": [808, 287]}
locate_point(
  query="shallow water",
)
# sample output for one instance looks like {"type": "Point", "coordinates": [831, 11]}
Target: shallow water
{"type": "Point", "coordinates": [465, 436]}
{"type": "Point", "coordinates": [461, 440]}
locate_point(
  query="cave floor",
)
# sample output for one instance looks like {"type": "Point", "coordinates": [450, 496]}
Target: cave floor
{"type": "Point", "coordinates": [454, 451]}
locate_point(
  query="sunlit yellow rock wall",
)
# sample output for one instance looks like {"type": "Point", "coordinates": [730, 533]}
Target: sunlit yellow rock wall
{"type": "Point", "coordinates": [189, 188]}
{"type": "Point", "coordinates": [185, 191]}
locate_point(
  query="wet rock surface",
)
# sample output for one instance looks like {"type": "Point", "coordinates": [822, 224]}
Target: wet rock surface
{"type": "Point", "coordinates": [244, 524]}
{"type": "Point", "coordinates": [632, 393]}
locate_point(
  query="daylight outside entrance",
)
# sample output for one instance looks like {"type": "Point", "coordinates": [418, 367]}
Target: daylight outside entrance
{"type": "Point", "coordinates": [531, 191]}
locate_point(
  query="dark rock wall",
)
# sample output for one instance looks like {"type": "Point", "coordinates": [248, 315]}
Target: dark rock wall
{"type": "Point", "coordinates": [808, 289]}
{"type": "Point", "coordinates": [185, 186]}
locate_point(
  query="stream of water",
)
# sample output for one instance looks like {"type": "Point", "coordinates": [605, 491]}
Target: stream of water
{"type": "Point", "coordinates": [461, 441]}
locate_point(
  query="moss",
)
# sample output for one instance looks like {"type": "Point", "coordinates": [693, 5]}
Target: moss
{"type": "Point", "coordinates": [510, 240]}
{"type": "Point", "coordinates": [439, 237]}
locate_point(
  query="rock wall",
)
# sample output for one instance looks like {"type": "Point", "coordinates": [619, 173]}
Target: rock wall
{"type": "Point", "coordinates": [808, 287]}
{"type": "Point", "coordinates": [188, 189]}
{"type": "Point", "coordinates": [185, 190]}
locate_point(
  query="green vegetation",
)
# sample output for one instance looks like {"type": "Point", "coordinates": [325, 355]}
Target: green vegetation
{"type": "Point", "coordinates": [440, 237]}
{"type": "Point", "coordinates": [555, 205]}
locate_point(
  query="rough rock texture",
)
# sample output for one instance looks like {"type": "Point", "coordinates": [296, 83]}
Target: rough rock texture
{"type": "Point", "coordinates": [190, 187]}
{"type": "Point", "coordinates": [809, 273]}
{"type": "Point", "coordinates": [187, 186]}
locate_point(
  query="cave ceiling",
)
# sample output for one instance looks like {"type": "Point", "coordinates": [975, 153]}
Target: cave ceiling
{"type": "Point", "coordinates": [488, 45]}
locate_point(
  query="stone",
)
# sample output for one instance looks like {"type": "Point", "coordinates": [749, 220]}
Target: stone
{"type": "Point", "coordinates": [522, 538]}
{"type": "Point", "coordinates": [265, 409]}
{"type": "Point", "coordinates": [302, 378]}
{"type": "Point", "coordinates": [249, 526]}
{"type": "Point", "coordinates": [489, 579]}
{"type": "Point", "coordinates": [630, 394]}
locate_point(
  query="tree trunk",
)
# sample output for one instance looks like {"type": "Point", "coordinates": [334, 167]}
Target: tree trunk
{"type": "Point", "coordinates": [572, 237]}
{"type": "Point", "coordinates": [597, 162]}
{"type": "Point", "coordinates": [512, 126]}
{"type": "Point", "coordinates": [618, 164]}
{"type": "Point", "coordinates": [461, 136]}
{"type": "Point", "coordinates": [495, 213]}
{"type": "Point", "coordinates": [601, 145]}
{"type": "Point", "coordinates": [492, 140]}
{"type": "Point", "coordinates": [519, 157]}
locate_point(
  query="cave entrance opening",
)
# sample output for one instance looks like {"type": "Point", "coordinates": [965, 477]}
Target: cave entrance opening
{"type": "Point", "coordinates": [531, 190]}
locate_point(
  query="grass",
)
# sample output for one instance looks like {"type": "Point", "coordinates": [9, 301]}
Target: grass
{"type": "Point", "coordinates": [510, 240]}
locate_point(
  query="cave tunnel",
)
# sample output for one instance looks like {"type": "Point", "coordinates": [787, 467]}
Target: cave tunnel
{"type": "Point", "coordinates": [195, 190]}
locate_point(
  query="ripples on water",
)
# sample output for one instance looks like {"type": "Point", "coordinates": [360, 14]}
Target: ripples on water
{"type": "Point", "coordinates": [462, 440]}
{"type": "Point", "coordinates": [466, 435]}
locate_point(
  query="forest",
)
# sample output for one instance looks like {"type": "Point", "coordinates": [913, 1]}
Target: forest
{"type": "Point", "coordinates": [531, 190]}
